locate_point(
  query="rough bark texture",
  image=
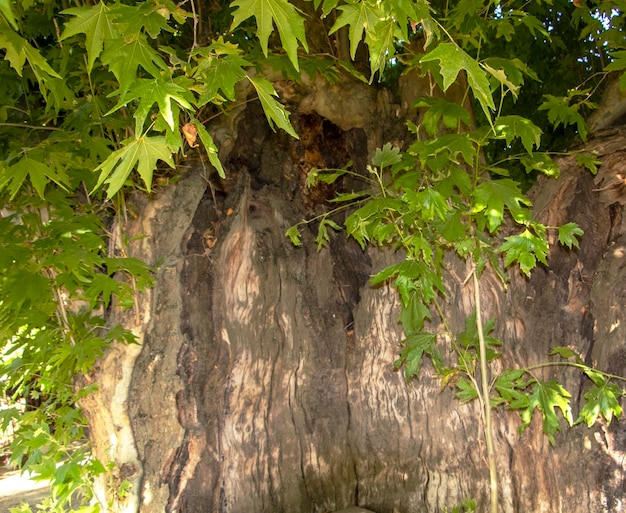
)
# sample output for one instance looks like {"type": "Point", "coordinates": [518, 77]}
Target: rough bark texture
{"type": "Point", "coordinates": [264, 379]}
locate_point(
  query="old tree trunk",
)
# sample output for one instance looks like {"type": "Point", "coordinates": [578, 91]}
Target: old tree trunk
{"type": "Point", "coordinates": [263, 381]}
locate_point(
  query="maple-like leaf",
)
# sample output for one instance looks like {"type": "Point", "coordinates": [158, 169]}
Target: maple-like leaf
{"type": "Point", "coordinates": [602, 400]}
{"type": "Point", "coordinates": [525, 249]}
{"type": "Point", "coordinates": [547, 396]}
{"type": "Point", "coordinates": [18, 51]}
{"type": "Point", "coordinates": [284, 15]}
{"type": "Point", "coordinates": [96, 22]}
{"type": "Point", "coordinates": [150, 16]}
{"type": "Point", "coordinates": [416, 345]}
{"type": "Point", "coordinates": [7, 11]}
{"type": "Point", "coordinates": [452, 60]}
{"type": "Point", "coordinates": [123, 57]}
{"type": "Point", "coordinates": [209, 147]}
{"type": "Point", "coordinates": [274, 111]}
{"type": "Point", "coordinates": [381, 41]}
{"type": "Point", "coordinates": [618, 63]}
{"type": "Point", "coordinates": [561, 111]}
{"type": "Point", "coordinates": [442, 111]}
{"type": "Point", "coordinates": [151, 91]}
{"type": "Point", "coordinates": [142, 153]}
{"type": "Point", "coordinates": [40, 175]}
{"type": "Point", "coordinates": [360, 16]}
{"type": "Point", "coordinates": [511, 127]}
{"type": "Point", "coordinates": [569, 234]}
{"type": "Point", "coordinates": [493, 195]}
{"type": "Point", "coordinates": [219, 68]}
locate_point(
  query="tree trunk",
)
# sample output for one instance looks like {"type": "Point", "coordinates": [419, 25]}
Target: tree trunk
{"type": "Point", "coordinates": [262, 381]}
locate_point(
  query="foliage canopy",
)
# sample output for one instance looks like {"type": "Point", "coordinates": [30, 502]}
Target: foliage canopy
{"type": "Point", "coordinates": [97, 98]}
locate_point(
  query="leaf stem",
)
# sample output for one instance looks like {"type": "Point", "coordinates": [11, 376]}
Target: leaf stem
{"type": "Point", "coordinates": [486, 403]}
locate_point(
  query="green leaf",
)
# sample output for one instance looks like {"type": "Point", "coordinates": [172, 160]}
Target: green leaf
{"type": "Point", "coordinates": [525, 249]}
{"type": "Point", "coordinates": [453, 60]}
{"type": "Point", "coordinates": [149, 92]}
{"type": "Point", "coordinates": [590, 161]}
{"type": "Point", "coordinates": [569, 234]}
{"type": "Point", "coordinates": [414, 314]}
{"type": "Point", "coordinates": [349, 196]}
{"type": "Point", "coordinates": [541, 162]}
{"type": "Point", "coordinates": [547, 397]}
{"type": "Point", "coordinates": [18, 51]}
{"type": "Point", "coordinates": [329, 176]}
{"type": "Point", "coordinates": [386, 156]}
{"type": "Point", "coordinates": [440, 152]}
{"type": "Point", "coordinates": [323, 238]}
{"type": "Point", "coordinates": [381, 40]}
{"type": "Point", "coordinates": [510, 386]}
{"type": "Point", "coordinates": [428, 202]}
{"type": "Point", "coordinates": [601, 401]}
{"type": "Point", "coordinates": [220, 67]}
{"type": "Point", "coordinates": [466, 391]}
{"type": "Point", "coordinates": [294, 235]}
{"type": "Point", "coordinates": [7, 11]}
{"type": "Point", "coordinates": [511, 127]}
{"type": "Point", "coordinates": [124, 57]}
{"type": "Point", "coordinates": [415, 346]}
{"type": "Point", "coordinates": [289, 22]}
{"type": "Point", "coordinates": [151, 16]}
{"type": "Point", "coordinates": [40, 175]}
{"type": "Point", "coordinates": [360, 15]}
{"type": "Point", "coordinates": [565, 352]}
{"type": "Point", "coordinates": [618, 63]}
{"type": "Point", "coordinates": [142, 153]}
{"type": "Point", "coordinates": [440, 110]}
{"type": "Point", "coordinates": [560, 111]}
{"type": "Point", "coordinates": [274, 111]}
{"type": "Point", "coordinates": [493, 196]}
{"type": "Point", "coordinates": [209, 147]}
{"type": "Point", "coordinates": [96, 22]}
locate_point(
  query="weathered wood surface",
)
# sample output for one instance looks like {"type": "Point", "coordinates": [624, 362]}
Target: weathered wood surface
{"type": "Point", "coordinates": [264, 379]}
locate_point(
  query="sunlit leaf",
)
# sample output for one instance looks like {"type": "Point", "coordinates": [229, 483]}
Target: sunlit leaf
{"type": "Point", "coordinates": [601, 400]}
{"type": "Point", "coordinates": [453, 60]}
{"type": "Point", "coordinates": [276, 114]}
{"type": "Point", "coordinates": [491, 197]}
{"type": "Point", "coordinates": [142, 153]}
{"type": "Point", "coordinates": [360, 16]}
{"type": "Point", "coordinates": [569, 234]}
{"type": "Point", "coordinates": [547, 397]}
{"type": "Point", "coordinates": [288, 21]}
{"type": "Point", "coordinates": [96, 22]}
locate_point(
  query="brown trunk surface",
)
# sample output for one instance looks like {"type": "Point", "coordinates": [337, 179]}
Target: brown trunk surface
{"type": "Point", "coordinates": [263, 382]}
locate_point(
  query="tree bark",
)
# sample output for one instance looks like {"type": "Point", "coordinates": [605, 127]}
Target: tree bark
{"type": "Point", "coordinates": [263, 377]}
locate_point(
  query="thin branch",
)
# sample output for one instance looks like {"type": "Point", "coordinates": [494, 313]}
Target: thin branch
{"type": "Point", "coordinates": [18, 125]}
{"type": "Point", "coordinates": [486, 403]}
